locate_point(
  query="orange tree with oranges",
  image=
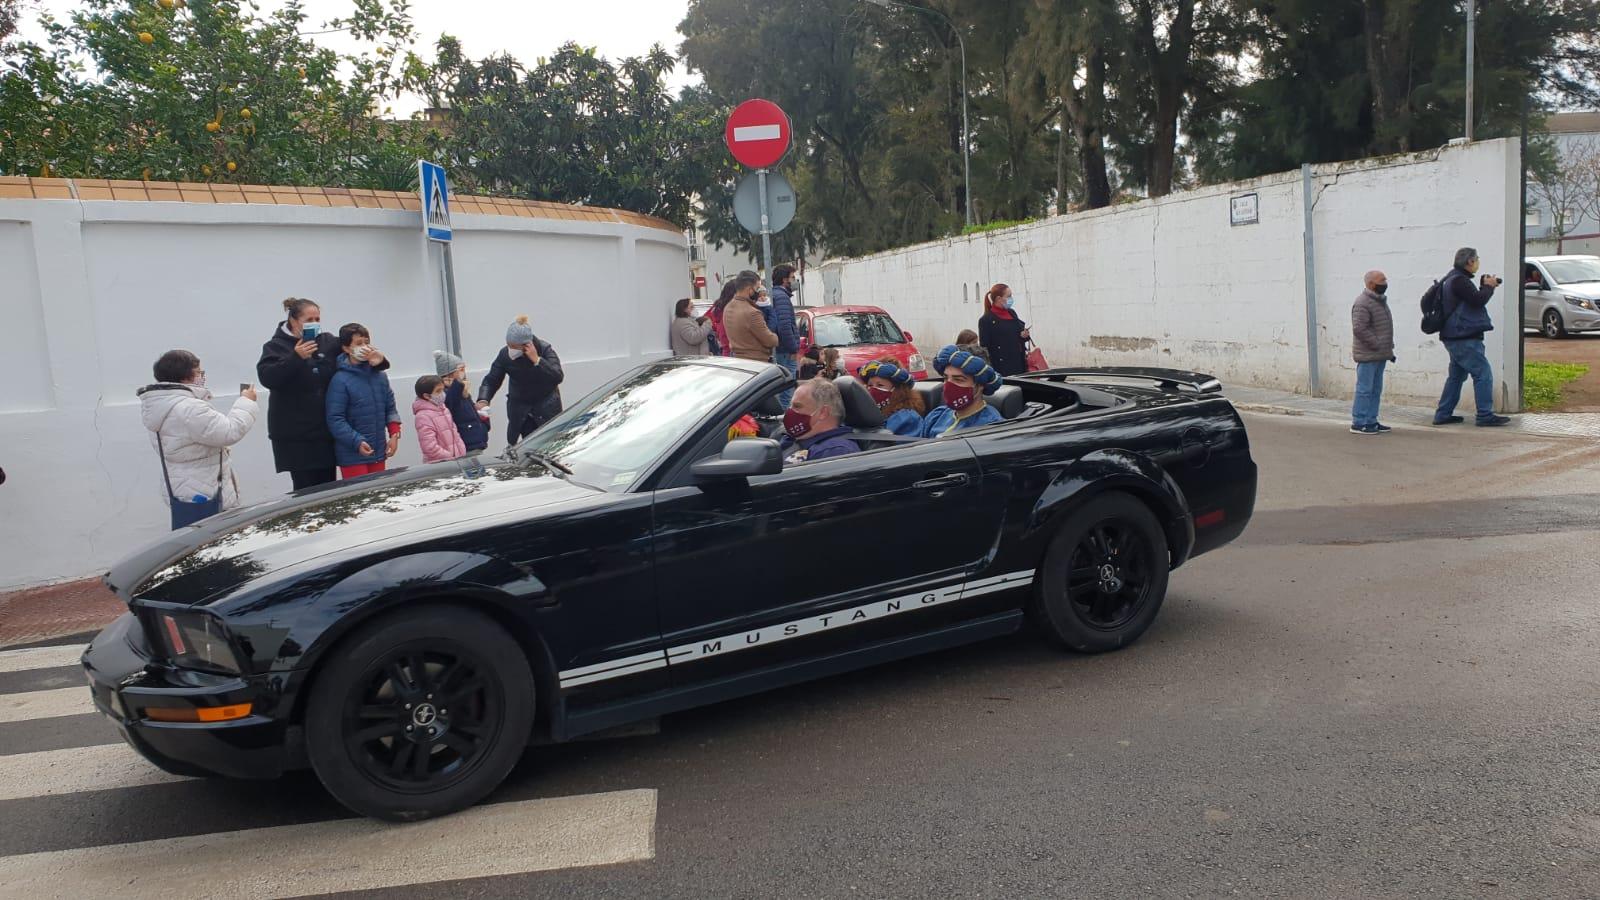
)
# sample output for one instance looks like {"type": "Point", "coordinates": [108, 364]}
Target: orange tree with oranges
{"type": "Point", "coordinates": [196, 90]}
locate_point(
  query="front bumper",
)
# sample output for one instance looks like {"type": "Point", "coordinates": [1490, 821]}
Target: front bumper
{"type": "Point", "coordinates": [126, 681]}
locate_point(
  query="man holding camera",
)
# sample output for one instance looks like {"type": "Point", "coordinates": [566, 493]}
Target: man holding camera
{"type": "Point", "coordinates": [1466, 322]}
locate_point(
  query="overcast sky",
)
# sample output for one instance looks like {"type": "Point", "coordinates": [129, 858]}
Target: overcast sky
{"type": "Point", "coordinates": [527, 29]}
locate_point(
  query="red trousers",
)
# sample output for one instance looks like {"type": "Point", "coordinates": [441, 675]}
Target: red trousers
{"type": "Point", "coordinates": [356, 471]}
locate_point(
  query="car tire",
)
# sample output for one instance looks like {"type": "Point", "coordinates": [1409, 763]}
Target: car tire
{"type": "Point", "coordinates": [1104, 575]}
{"type": "Point", "coordinates": [1552, 325]}
{"type": "Point", "coordinates": [381, 732]}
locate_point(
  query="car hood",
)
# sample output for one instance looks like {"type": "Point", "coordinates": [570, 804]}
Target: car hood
{"type": "Point", "coordinates": [229, 550]}
{"type": "Point", "coordinates": [1588, 290]}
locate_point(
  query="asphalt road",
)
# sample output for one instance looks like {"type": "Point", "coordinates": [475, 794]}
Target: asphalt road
{"type": "Point", "coordinates": [1389, 687]}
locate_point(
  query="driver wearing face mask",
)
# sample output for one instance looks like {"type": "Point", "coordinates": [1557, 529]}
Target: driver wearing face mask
{"type": "Point", "coordinates": [813, 425]}
{"type": "Point", "coordinates": [968, 379]}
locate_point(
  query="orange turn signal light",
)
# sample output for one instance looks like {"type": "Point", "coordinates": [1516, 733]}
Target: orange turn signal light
{"type": "Point", "coordinates": [198, 714]}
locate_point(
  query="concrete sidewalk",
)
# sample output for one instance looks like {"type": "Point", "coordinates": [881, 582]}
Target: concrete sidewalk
{"type": "Point", "coordinates": [1266, 400]}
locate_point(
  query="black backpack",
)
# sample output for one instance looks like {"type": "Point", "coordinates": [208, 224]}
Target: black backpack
{"type": "Point", "coordinates": [1434, 313]}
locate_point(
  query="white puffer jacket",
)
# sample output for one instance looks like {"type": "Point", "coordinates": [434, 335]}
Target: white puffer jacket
{"type": "Point", "coordinates": [195, 435]}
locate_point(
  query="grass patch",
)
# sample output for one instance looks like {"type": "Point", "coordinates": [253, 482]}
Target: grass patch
{"type": "Point", "coordinates": [1542, 383]}
{"type": "Point", "coordinates": [995, 225]}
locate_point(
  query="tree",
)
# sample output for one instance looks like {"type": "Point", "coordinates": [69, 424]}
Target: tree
{"type": "Point", "coordinates": [578, 128]}
{"type": "Point", "coordinates": [1567, 181]}
{"type": "Point", "coordinates": [1075, 45]}
{"type": "Point", "coordinates": [207, 90]}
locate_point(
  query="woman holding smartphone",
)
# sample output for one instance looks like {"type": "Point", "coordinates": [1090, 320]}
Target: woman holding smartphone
{"type": "Point", "coordinates": [296, 367]}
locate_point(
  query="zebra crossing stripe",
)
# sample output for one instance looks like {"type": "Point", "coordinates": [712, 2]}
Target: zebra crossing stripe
{"type": "Point", "coordinates": [73, 701]}
{"type": "Point", "coordinates": [104, 767]}
{"type": "Point", "coordinates": [351, 854]}
{"type": "Point", "coordinates": [40, 658]}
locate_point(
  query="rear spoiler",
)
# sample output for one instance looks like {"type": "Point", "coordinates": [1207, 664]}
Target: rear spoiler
{"type": "Point", "coordinates": [1167, 379]}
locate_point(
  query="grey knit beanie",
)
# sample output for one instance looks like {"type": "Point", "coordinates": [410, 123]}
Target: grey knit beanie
{"type": "Point", "coordinates": [445, 362]}
{"type": "Point", "coordinates": [520, 332]}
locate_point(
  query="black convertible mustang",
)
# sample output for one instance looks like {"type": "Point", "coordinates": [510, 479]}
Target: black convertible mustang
{"type": "Point", "coordinates": [407, 634]}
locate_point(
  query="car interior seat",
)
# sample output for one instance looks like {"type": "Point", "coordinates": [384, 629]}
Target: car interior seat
{"type": "Point", "coordinates": [932, 394]}
{"type": "Point", "coordinates": [1008, 400]}
{"type": "Point", "coordinates": [860, 412]}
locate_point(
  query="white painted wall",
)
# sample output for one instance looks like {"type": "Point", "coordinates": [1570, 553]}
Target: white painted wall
{"type": "Point", "coordinates": [1169, 282]}
{"type": "Point", "coordinates": [92, 292]}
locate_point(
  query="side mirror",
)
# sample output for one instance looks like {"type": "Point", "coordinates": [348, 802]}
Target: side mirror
{"type": "Point", "coordinates": [906, 335]}
{"type": "Point", "coordinates": [742, 458]}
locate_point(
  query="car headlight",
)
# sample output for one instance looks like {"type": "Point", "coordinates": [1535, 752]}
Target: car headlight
{"type": "Point", "coordinates": [195, 640]}
{"type": "Point", "coordinates": [914, 362]}
{"type": "Point", "coordinates": [1580, 302]}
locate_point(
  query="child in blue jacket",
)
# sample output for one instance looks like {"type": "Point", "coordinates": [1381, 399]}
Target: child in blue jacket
{"type": "Point", "coordinates": [361, 412]}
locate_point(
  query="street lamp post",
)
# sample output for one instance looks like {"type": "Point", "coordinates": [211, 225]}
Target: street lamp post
{"type": "Point", "coordinates": [966, 150]}
{"type": "Point", "coordinates": [1472, 40]}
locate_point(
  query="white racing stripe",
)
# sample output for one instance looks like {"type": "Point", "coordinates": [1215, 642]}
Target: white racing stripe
{"type": "Point", "coordinates": [74, 701]}
{"type": "Point", "coordinates": [79, 770]}
{"type": "Point", "coordinates": [351, 854]}
{"type": "Point", "coordinates": [40, 658]}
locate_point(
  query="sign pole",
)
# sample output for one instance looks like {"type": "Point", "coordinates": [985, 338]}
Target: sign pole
{"type": "Point", "coordinates": [452, 316]}
{"type": "Point", "coordinates": [766, 226]}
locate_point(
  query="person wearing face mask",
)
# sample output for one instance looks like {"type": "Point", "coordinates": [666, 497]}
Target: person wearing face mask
{"type": "Point", "coordinates": [296, 367]}
{"type": "Point", "coordinates": [536, 376]}
{"type": "Point", "coordinates": [967, 380]}
{"type": "Point", "coordinates": [1372, 346]}
{"type": "Point", "coordinates": [1003, 333]}
{"type": "Point", "coordinates": [193, 437]}
{"type": "Point", "coordinates": [813, 425]}
{"type": "Point", "coordinates": [436, 429]}
{"type": "Point", "coordinates": [471, 422]}
{"type": "Point", "coordinates": [361, 412]}
{"type": "Point", "coordinates": [891, 388]}
{"type": "Point", "coordinates": [748, 333]}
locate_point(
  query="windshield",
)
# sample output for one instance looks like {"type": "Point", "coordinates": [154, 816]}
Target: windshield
{"type": "Point", "coordinates": [1571, 271]}
{"type": "Point", "coordinates": [844, 329]}
{"type": "Point", "coordinates": [614, 435]}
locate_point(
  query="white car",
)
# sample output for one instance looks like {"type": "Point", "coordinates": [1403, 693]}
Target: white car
{"type": "Point", "coordinates": [1563, 294]}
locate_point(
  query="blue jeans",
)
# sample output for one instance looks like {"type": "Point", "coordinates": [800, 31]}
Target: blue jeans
{"type": "Point", "coordinates": [1369, 392]}
{"type": "Point", "coordinates": [1467, 358]}
{"type": "Point", "coordinates": [787, 360]}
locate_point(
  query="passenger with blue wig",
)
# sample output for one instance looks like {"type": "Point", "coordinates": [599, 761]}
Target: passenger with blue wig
{"type": "Point", "coordinates": [968, 379]}
{"type": "Point", "coordinates": [891, 388]}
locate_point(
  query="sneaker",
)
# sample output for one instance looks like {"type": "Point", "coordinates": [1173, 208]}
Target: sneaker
{"type": "Point", "coordinates": [1383, 429]}
{"type": "Point", "coordinates": [1493, 422]}
{"type": "Point", "coordinates": [1449, 420]}
{"type": "Point", "coordinates": [1364, 429]}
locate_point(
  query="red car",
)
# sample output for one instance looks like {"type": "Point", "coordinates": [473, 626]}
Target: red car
{"type": "Point", "coordinates": [861, 334]}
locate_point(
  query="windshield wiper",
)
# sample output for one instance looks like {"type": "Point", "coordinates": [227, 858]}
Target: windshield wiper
{"type": "Point", "coordinates": [549, 462]}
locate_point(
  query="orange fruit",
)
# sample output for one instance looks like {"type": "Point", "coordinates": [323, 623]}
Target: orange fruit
{"type": "Point", "coordinates": [206, 171]}
{"type": "Point", "coordinates": [213, 126]}
{"type": "Point", "coordinates": [244, 113]}
{"type": "Point", "coordinates": [168, 4]}
{"type": "Point", "coordinates": [146, 37]}
{"type": "Point", "coordinates": [232, 166]}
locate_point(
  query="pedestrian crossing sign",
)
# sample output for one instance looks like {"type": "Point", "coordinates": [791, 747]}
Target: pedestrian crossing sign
{"type": "Point", "coordinates": [435, 191]}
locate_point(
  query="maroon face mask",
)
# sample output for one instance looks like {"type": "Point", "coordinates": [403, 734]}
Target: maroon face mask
{"type": "Point", "coordinates": [879, 395]}
{"type": "Point", "coordinates": [796, 424]}
{"type": "Point", "coordinates": [957, 397]}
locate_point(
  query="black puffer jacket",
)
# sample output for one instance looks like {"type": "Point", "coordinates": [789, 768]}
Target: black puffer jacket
{"type": "Point", "coordinates": [297, 422]}
{"type": "Point", "coordinates": [1003, 339]}
{"type": "Point", "coordinates": [535, 394]}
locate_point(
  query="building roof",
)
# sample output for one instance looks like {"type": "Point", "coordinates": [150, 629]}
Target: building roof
{"type": "Point", "coordinates": [1573, 123]}
{"type": "Point", "coordinates": [22, 187]}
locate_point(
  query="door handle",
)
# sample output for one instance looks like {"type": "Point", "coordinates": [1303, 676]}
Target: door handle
{"type": "Point", "coordinates": [940, 482]}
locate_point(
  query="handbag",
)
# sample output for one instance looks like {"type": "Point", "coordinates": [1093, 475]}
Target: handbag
{"type": "Point", "coordinates": [188, 512]}
{"type": "Point", "coordinates": [1036, 361]}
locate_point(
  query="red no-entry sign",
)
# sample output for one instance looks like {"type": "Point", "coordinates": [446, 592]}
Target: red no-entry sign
{"type": "Point", "coordinates": [758, 133]}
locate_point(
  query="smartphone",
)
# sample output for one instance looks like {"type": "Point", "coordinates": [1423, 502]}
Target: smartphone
{"type": "Point", "coordinates": [310, 331]}
{"type": "Point", "coordinates": [244, 386]}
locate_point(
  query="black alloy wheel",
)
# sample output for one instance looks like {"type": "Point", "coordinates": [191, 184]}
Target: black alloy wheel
{"type": "Point", "coordinates": [423, 718]}
{"type": "Point", "coordinates": [1553, 327]}
{"type": "Point", "coordinates": [1104, 576]}
{"type": "Point", "coordinates": [420, 713]}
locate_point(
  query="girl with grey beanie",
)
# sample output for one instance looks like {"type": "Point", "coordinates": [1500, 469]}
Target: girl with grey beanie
{"type": "Point", "coordinates": [535, 373]}
{"type": "Point", "coordinates": [472, 423]}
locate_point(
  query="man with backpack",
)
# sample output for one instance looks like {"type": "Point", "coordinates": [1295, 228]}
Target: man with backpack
{"type": "Point", "coordinates": [1459, 312]}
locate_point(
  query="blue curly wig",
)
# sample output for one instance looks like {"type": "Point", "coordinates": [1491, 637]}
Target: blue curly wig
{"type": "Point", "coordinates": [982, 373]}
{"type": "Point", "coordinates": [884, 369]}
